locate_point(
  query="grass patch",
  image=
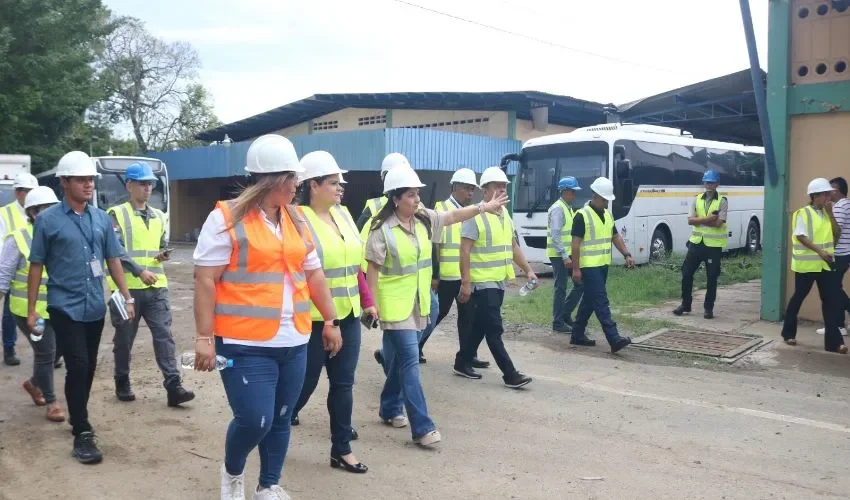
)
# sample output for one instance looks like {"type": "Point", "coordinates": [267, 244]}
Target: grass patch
{"type": "Point", "coordinates": [630, 290]}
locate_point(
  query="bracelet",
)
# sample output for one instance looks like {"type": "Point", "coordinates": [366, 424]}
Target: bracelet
{"type": "Point", "coordinates": [130, 301]}
{"type": "Point", "coordinates": [208, 339]}
{"type": "Point", "coordinates": [480, 207]}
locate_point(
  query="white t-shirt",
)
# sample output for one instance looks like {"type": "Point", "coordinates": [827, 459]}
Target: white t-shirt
{"type": "Point", "coordinates": [841, 212]}
{"type": "Point", "coordinates": [214, 249]}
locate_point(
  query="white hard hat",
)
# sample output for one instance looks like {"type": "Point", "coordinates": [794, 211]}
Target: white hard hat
{"type": "Point", "coordinates": [270, 154]}
{"type": "Point", "coordinates": [401, 177]}
{"type": "Point", "coordinates": [393, 160]}
{"type": "Point", "coordinates": [40, 195]}
{"type": "Point", "coordinates": [493, 174]}
{"type": "Point", "coordinates": [25, 181]}
{"type": "Point", "coordinates": [604, 188]}
{"type": "Point", "coordinates": [76, 164]}
{"type": "Point", "coordinates": [464, 176]}
{"type": "Point", "coordinates": [319, 164]}
{"type": "Point", "coordinates": [819, 185]}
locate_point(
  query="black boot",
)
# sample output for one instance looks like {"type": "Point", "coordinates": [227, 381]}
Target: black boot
{"type": "Point", "coordinates": [682, 309]}
{"type": "Point", "coordinates": [178, 395]}
{"type": "Point", "coordinates": [123, 391]}
{"type": "Point", "coordinates": [10, 358]}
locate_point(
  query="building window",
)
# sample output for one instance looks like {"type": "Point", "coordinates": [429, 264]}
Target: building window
{"type": "Point", "coordinates": [468, 121]}
{"type": "Point", "coordinates": [326, 125]}
{"type": "Point", "coordinates": [365, 121]}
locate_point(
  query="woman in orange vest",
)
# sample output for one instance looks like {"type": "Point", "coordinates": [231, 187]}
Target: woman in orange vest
{"type": "Point", "coordinates": [256, 273]}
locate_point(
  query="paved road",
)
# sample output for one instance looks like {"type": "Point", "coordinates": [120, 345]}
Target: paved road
{"type": "Point", "coordinates": [590, 426]}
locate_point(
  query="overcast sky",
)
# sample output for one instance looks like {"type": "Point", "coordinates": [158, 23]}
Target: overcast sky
{"type": "Point", "coordinates": [260, 54]}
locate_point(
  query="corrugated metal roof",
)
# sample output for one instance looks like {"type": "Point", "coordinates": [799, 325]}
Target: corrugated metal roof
{"type": "Point", "coordinates": [360, 150]}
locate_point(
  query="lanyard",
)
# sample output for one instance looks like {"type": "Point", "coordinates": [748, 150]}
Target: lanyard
{"type": "Point", "coordinates": [77, 218]}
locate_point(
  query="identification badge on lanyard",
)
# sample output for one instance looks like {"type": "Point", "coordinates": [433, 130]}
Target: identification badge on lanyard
{"type": "Point", "coordinates": [96, 268]}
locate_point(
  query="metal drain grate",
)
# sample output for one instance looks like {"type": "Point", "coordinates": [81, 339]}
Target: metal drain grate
{"type": "Point", "coordinates": [720, 345]}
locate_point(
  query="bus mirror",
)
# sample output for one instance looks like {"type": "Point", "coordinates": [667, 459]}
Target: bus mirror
{"type": "Point", "coordinates": [628, 192]}
{"type": "Point", "coordinates": [623, 169]}
{"type": "Point", "coordinates": [101, 198]}
{"type": "Point", "coordinates": [507, 159]}
{"type": "Point", "coordinates": [620, 151]}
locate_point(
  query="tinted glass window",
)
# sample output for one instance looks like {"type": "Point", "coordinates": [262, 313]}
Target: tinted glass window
{"type": "Point", "coordinates": [541, 168]}
{"type": "Point", "coordinates": [111, 192]}
{"type": "Point", "coordinates": [7, 194]}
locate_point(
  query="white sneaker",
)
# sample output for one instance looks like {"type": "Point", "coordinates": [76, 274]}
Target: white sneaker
{"type": "Point", "coordinates": [232, 487]}
{"type": "Point", "coordinates": [822, 331]}
{"type": "Point", "coordinates": [273, 493]}
{"type": "Point", "coordinates": [429, 439]}
{"type": "Point", "coordinates": [398, 421]}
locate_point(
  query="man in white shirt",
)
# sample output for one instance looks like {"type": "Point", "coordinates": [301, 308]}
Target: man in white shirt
{"type": "Point", "coordinates": [841, 213]}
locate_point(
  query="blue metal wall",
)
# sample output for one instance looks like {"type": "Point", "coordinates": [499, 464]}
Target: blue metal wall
{"type": "Point", "coordinates": [358, 150]}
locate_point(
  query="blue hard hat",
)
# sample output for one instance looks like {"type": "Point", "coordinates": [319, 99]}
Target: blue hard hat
{"type": "Point", "coordinates": [140, 171]}
{"type": "Point", "coordinates": [710, 176]}
{"type": "Point", "coordinates": [568, 183]}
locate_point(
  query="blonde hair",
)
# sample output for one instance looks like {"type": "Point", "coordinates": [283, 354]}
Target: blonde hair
{"type": "Point", "coordinates": [251, 196]}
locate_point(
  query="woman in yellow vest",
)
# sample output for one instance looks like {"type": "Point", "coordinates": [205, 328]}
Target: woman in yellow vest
{"type": "Point", "coordinates": [398, 252]}
{"type": "Point", "coordinates": [339, 247]}
{"type": "Point", "coordinates": [256, 273]}
{"type": "Point", "coordinates": [14, 269]}
{"type": "Point", "coordinates": [812, 249]}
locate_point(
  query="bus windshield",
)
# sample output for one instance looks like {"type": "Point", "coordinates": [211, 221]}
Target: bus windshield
{"type": "Point", "coordinates": [543, 166]}
{"type": "Point", "coordinates": [7, 194]}
{"type": "Point", "coordinates": [111, 191]}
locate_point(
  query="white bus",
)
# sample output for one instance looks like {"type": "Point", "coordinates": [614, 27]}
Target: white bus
{"type": "Point", "coordinates": [110, 189]}
{"type": "Point", "coordinates": [656, 171]}
{"type": "Point", "coordinates": [10, 167]}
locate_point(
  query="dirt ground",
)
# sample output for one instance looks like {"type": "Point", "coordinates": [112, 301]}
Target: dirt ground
{"type": "Point", "coordinates": [591, 425]}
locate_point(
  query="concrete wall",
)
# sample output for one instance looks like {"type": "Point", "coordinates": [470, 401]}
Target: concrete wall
{"type": "Point", "coordinates": [349, 119]}
{"type": "Point", "coordinates": [819, 148]}
{"type": "Point", "coordinates": [496, 124]}
{"type": "Point", "coordinates": [193, 200]}
{"type": "Point", "coordinates": [525, 130]}
{"type": "Point", "coordinates": [295, 130]}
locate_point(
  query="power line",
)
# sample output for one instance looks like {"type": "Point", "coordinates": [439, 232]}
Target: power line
{"type": "Point", "coordinates": [535, 39]}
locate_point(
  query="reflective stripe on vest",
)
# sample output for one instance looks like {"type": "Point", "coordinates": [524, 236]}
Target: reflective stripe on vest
{"type": "Point", "coordinates": [819, 227]}
{"type": "Point", "coordinates": [249, 295]}
{"type": "Point", "coordinates": [491, 258]}
{"type": "Point", "coordinates": [405, 275]}
{"type": "Point", "coordinates": [596, 244]}
{"type": "Point", "coordinates": [449, 245]}
{"type": "Point", "coordinates": [715, 237]}
{"type": "Point", "coordinates": [13, 218]}
{"type": "Point", "coordinates": [340, 257]}
{"type": "Point", "coordinates": [141, 242]}
{"type": "Point", "coordinates": [563, 232]}
{"type": "Point", "coordinates": [18, 301]}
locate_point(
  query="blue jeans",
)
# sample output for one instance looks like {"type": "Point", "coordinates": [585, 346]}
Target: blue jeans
{"type": "Point", "coordinates": [340, 370]}
{"type": "Point", "coordinates": [595, 300]}
{"type": "Point", "coordinates": [432, 320]}
{"type": "Point", "coordinates": [403, 389]}
{"type": "Point", "coordinates": [563, 305]}
{"type": "Point", "coordinates": [262, 388]}
{"type": "Point", "coordinates": [10, 334]}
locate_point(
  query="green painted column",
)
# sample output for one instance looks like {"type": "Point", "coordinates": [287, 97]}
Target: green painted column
{"type": "Point", "coordinates": [775, 231]}
{"type": "Point", "coordinates": [511, 124]}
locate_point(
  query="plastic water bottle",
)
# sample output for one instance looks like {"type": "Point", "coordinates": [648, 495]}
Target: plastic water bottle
{"type": "Point", "coordinates": [528, 288]}
{"type": "Point", "coordinates": [187, 361]}
{"type": "Point", "coordinates": [38, 331]}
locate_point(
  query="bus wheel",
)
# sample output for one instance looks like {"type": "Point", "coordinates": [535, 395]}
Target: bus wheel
{"type": "Point", "coordinates": [660, 246]}
{"type": "Point", "coordinates": [753, 237]}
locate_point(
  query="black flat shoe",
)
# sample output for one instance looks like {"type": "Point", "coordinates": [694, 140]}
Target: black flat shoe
{"type": "Point", "coordinates": [295, 420]}
{"type": "Point", "coordinates": [477, 363]}
{"type": "Point", "coordinates": [354, 435]}
{"type": "Point", "coordinates": [338, 463]}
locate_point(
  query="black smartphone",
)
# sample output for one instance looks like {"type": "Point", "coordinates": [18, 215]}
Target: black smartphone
{"type": "Point", "coordinates": [369, 321]}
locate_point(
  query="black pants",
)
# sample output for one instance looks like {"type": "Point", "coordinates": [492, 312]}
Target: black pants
{"type": "Point", "coordinates": [486, 311]}
{"type": "Point", "coordinates": [447, 292]}
{"type": "Point", "coordinates": [843, 263]}
{"type": "Point", "coordinates": [563, 305]}
{"type": "Point", "coordinates": [697, 254]}
{"type": "Point", "coordinates": [79, 342]}
{"type": "Point", "coordinates": [829, 289]}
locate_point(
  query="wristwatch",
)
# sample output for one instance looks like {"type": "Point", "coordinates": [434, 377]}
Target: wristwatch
{"type": "Point", "coordinates": [334, 323]}
{"type": "Point", "coordinates": [131, 300]}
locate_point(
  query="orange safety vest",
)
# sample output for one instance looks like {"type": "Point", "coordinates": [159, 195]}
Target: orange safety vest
{"type": "Point", "coordinates": [249, 295]}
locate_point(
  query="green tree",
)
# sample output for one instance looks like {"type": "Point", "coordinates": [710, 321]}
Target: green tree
{"type": "Point", "coordinates": [47, 80]}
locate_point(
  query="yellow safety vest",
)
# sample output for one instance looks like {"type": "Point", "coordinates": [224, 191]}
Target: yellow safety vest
{"type": "Point", "coordinates": [375, 205]}
{"type": "Point", "coordinates": [406, 274]}
{"type": "Point", "coordinates": [596, 242]}
{"type": "Point", "coordinates": [13, 218]}
{"type": "Point", "coordinates": [715, 237]}
{"type": "Point", "coordinates": [819, 227]}
{"type": "Point", "coordinates": [492, 255]}
{"type": "Point", "coordinates": [18, 290]}
{"type": "Point", "coordinates": [340, 258]}
{"type": "Point", "coordinates": [566, 238]}
{"type": "Point", "coordinates": [449, 245]}
{"type": "Point", "coordinates": [141, 243]}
